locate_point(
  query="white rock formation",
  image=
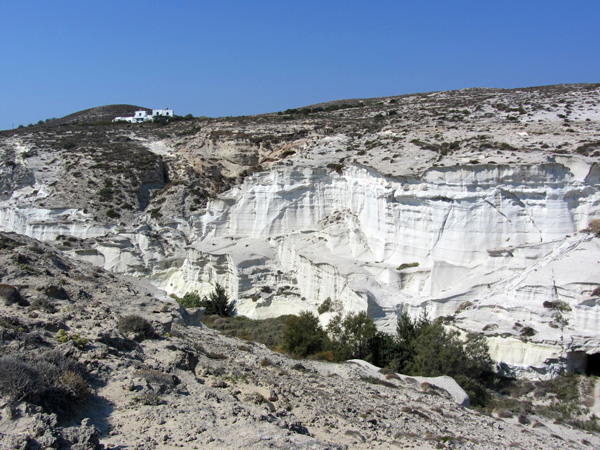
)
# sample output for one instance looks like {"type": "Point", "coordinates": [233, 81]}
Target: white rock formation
{"type": "Point", "coordinates": [503, 238]}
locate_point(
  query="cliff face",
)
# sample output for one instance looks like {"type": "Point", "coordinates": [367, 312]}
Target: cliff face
{"type": "Point", "coordinates": [500, 241]}
{"type": "Point", "coordinates": [470, 205]}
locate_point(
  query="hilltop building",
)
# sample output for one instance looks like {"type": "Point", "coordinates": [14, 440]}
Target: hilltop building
{"type": "Point", "coordinates": [145, 116]}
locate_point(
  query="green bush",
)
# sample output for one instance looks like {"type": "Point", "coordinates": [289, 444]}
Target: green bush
{"type": "Point", "coordinates": [105, 194]}
{"type": "Point", "coordinates": [217, 303]}
{"type": "Point", "coordinates": [191, 300]}
{"type": "Point", "coordinates": [407, 266]}
{"type": "Point", "coordinates": [113, 214]}
{"type": "Point", "coordinates": [350, 335]}
{"type": "Point", "coordinates": [425, 348]}
{"type": "Point", "coordinates": [267, 331]}
{"type": "Point", "coordinates": [303, 335]}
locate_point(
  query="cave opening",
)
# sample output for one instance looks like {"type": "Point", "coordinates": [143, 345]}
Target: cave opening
{"type": "Point", "coordinates": [592, 366]}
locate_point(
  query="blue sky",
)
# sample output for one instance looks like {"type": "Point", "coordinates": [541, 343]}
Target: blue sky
{"type": "Point", "coordinates": [239, 57]}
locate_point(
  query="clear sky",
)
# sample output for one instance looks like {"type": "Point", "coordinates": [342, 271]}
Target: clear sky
{"type": "Point", "coordinates": [240, 57]}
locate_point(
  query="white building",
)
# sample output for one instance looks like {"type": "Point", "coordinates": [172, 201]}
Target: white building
{"type": "Point", "coordinates": [145, 116]}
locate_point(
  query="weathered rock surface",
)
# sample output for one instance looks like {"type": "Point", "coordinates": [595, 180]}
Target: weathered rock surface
{"type": "Point", "coordinates": [190, 387]}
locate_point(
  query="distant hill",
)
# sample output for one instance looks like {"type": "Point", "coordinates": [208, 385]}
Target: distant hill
{"type": "Point", "coordinates": [98, 114]}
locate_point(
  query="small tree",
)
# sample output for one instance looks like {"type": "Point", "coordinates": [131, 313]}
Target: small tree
{"type": "Point", "coordinates": [351, 335]}
{"type": "Point", "coordinates": [437, 352]}
{"type": "Point", "coordinates": [218, 303]}
{"type": "Point", "coordinates": [407, 331]}
{"type": "Point", "coordinates": [303, 335]}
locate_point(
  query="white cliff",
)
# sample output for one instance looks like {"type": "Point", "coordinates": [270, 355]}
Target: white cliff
{"type": "Point", "coordinates": [505, 239]}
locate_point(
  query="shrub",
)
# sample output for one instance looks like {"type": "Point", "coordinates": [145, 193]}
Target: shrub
{"type": "Point", "coordinates": [325, 306]}
{"type": "Point", "coordinates": [336, 167]}
{"type": "Point", "coordinates": [18, 380]}
{"type": "Point", "coordinates": [440, 352]}
{"type": "Point", "coordinates": [155, 213]}
{"type": "Point", "coordinates": [57, 292]}
{"type": "Point", "coordinates": [218, 303]}
{"type": "Point", "coordinates": [557, 305]}
{"type": "Point", "coordinates": [148, 399]}
{"type": "Point", "coordinates": [191, 300]}
{"type": "Point", "coordinates": [267, 331]}
{"type": "Point", "coordinates": [326, 355]}
{"type": "Point", "coordinates": [528, 332]}
{"type": "Point", "coordinates": [594, 227]}
{"type": "Point", "coordinates": [463, 306]}
{"type": "Point", "coordinates": [63, 337]}
{"type": "Point", "coordinates": [113, 214]}
{"type": "Point", "coordinates": [266, 362]}
{"type": "Point", "coordinates": [105, 194]}
{"type": "Point", "coordinates": [423, 348]}
{"type": "Point", "coordinates": [160, 381]}
{"type": "Point", "coordinates": [136, 325]}
{"type": "Point", "coordinates": [70, 390]}
{"type": "Point", "coordinates": [374, 380]}
{"type": "Point", "coordinates": [50, 380]}
{"type": "Point", "coordinates": [407, 266]}
{"type": "Point", "coordinates": [59, 361]}
{"type": "Point", "coordinates": [43, 304]}
{"type": "Point", "coordinates": [303, 335]}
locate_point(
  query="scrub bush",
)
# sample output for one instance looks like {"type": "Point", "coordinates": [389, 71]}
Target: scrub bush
{"type": "Point", "coordinates": [136, 325]}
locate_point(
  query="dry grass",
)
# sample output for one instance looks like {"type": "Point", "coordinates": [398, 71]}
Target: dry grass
{"type": "Point", "coordinates": [594, 227]}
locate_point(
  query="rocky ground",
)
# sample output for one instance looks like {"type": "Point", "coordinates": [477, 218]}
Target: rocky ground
{"type": "Point", "coordinates": [185, 386]}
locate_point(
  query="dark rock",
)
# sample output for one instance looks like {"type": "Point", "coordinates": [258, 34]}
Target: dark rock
{"type": "Point", "coordinates": [117, 341]}
{"type": "Point", "coordinates": [297, 427]}
{"type": "Point", "coordinates": [10, 295]}
{"type": "Point", "coordinates": [57, 292]}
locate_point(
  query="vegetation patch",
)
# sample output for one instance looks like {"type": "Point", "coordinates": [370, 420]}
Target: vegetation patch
{"type": "Point", "coordinates": [557, 305]}
{"type": "Point", "coordinates": [594, 227]}
{"type": "Point", "coordinates": [63, 337]}
{"type": "Point", "coordinates": [325, 306]}
{"type": "Point", "coordinates": [375, 380]}
{"type": "Point", "coordinates": [407, 266]}
{"type": "Point", "coordinates": [136, 325]}
{"type": "Point", "coordinates": [49, 379]}
{"type": "Point", "coordinates": [268, 331]}
{"type": "Point", "coordinates": [564, 399]}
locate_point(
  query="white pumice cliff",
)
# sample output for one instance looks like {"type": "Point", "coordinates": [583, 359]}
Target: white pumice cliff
{"type": "Point", "coordinates": [471, 205]}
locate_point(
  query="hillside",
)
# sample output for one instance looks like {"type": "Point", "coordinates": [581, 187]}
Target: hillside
{"type": "Point", "coordinates": [75, 374]}
{"type": "Point", "coordinates": [98, 114]}
{"type": "Point", "coordinates": [471, 205]}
